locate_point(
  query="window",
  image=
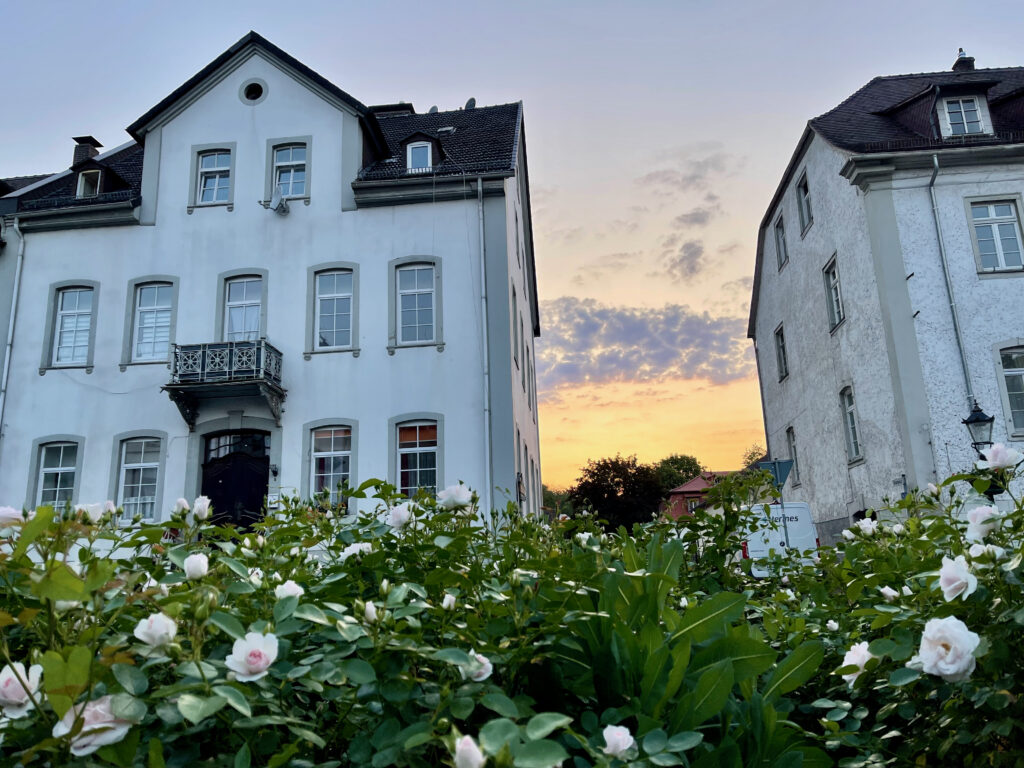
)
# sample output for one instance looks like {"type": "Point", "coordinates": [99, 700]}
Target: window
{"type": "Point", "coordinates": [964, 116]}
{"type": "Point", "coordinates": [290, 170]}
{"type": "Point", "coordinates": [997, 235]}
{"type": "Point", "coordinates": [73, 326]}
{"type": "Point", "coordinates": [791, 446]}
{"type": "Point", "coordinates": [515, 328]}
{"type": "Point", "coordinates": [152, 327]}
{"type": "Point", "coordinates": [417, 457]}
{"type": "Point", "coordinates": [803, 203]}
{"type": "Point", "coordinates": [332, 460]}
{"type": "Point", "coordinates": [781, 253]}
{"type": "Point", "coordinates": [418, 157]}
{"type": "Point", "coordinates": [1012, 363]}
{"type": "Point", "coordinates": [58, 463]}
{"type": "Point", "coordinates": [833, 295]}
{"type": "Point", "coordinates": [850, 424]}
{"type": "Point", "coordinates": [140, 469]}
{"type": "Point", "coordinates": [780, 353]}
{"type": "Point", "coordinates": [416, 303]}
{"type": "Point", "coordinates": [334, 309]}
{"type": "Point", "coordinates": [243, 304]}
{"type": "Point", "coordinates": [88, 184]}
{"type": "Point", "coordinates": [522, 338]}
{"type": "Point", "coordinates": [214, 178]}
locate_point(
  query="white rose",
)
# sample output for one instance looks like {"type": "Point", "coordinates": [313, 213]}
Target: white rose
{"type": "Point", "coordinates": [907, 590]}
{"type": "Point", "coordinates": [956, 579]}
{"type": "Point", "coordinates": [583, 538]}
{"type": "Point", "coordinates": [91, 513]}
{"type": "Point", "coordinates": [480, 667]}
{"type": "Point", "coordinates": [684, 603]}
{"type": "Point", "coordinates": [99, 727]}
{"type": "Point", "coordinates": [947, 650]}
{"type": "Point", "coordinates": [868, 526]}
{"type": "Point", "coordinates": [448, 602]}
{"type": "Point", "coordinates": [201, 507]}
{"type": "Point", "coordinates": [359, 548]}
{"type": "Point", "coordinates": [788, 593]}
{"type": "Point", "coordinates": [981, 521]}
{"type": "Point", "coordinates": [400, 515]}
{"type": "Point", "coordinates": [848, 534]}
{"type": "Point", "coordinates": [17, 688]}
{"type": "Point", "coordinates": [889, 594]}
{"type": "Point", "coordinates": [988, 554]}
{"type": "Point", "coordinates": [999, 457]}
{"type": "Point", "coordinates": [109, 508]}
{"type": "Point", "coordinates": [181, 505]}
{"type": "Point", "coordinates": [156, 631]}
{"type": "Point", "coordinates": [454, 496]}
{"type": "Point", "coordinates": [9, 515]}
{"type": "Point", "coordinates": [370, 612]}
{"type": "Point", "coordinates": [256, 577]}
{"type": "Point", "coordinates": [858, 655]}
{"type": "Point", "coordinates": [196, 566]}
{"type": "Point", "coordinates": [897, 530]}
{"type": "Point", "coordinates": [932, 489]}
{"type": "Point", "coordinates": [468, 754]}
{"type": "Point", "coordinates": [617, 741]}
{"type": "Point", "coordinates": [832, 625]}
{"type": "Point", "coordinates": [288, 589]}
{"type": "Point", "coordinates": [261, 542]}
{"type": "Point", "coordinates": [251, 656]}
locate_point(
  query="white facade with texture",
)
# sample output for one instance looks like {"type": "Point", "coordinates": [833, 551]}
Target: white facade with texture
{"type": "Point", "coordinates": [889, 288]}
{"type": "Point", "coordinates": [269, 290]}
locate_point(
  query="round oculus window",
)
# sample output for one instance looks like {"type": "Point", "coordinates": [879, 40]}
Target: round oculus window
{"type": "Point", "coordinates": [252, 92]}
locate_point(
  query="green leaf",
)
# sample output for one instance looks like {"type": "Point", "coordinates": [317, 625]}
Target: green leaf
{"type": "Point", "coordinates": [232, 626]}
{"type": "Point", "coordinates": [243, 758]}
{"type": "Point", "coordinates": [195, 709]}
{"type": "Point", "coordinates": [655, 741]}
{"type": "Point", "coordinates": [31, 530]}
{"type": "Point", "coordinates": [540, 754]}
{"type": "Point", "coordinates": [123, 752]}
{"type": "Point", "coordinates": [156, 754]}
{"type": "Point", "coordinates": [442, 541]}
{"type": "Point", "coordinates": [903, 676]}
{"type": "Point", "coordinates": [500, 703]}
{"type": "Point", "coordinates": [462, 708]}
{"type": "Point", "coordinates": [452, 656]}
{"type": "Point", "coordinates": [496, 734]}
{"type": "Point", "coordinates": [200, 670]}
{"type": "Point", "coordinates": [748, 655]}
{"type": "Point", "coordinates": [710, 694]}
{"type": "Point", "coordinates": [60, 583]}
{"type": "Point", "coordinates": [312, 613]}
{"type": "Point", "coordinates": [357, 671]}
{"type": "Point", "coordinates": [64, 681]}
{"type": "Point", "coordinates": [127, 707]}
{"type": "Point", "coordinates": [132, 679]}
{"type": "Point", "coordinates": [235, 566]}
{"type": "Point", "coordinates": [710, 617]}
{"type": "Point", "coordinates": [308, 735]}
{"type": "Point", "coordinates": [544, 723]}
{"type": "Point", "coordinates": [794, 670]}
{"type": "Point", "coordinates": [684, 741]}
{"type": "Point", "coordinates": [235, 698]}
{"type": "Point", "coordinates": [285, 607]}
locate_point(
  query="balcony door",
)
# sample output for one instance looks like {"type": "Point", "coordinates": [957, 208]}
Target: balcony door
{"type": "Point", "coordinates": [236, 471]}
{"type": "Point", "coordinates": [242, 308]}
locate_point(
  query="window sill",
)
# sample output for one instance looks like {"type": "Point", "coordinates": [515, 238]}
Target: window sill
{"type": "Point", "coordinates": [782, 266]}
{"type": "Point", "coordinates": [795, 484]}
{"type": "Point", "coordinates": [308, 354]}
{"type": "Point", "coordinates": [805, 229]}
{"type": "Point", "coordinates": [125, 365]}
{"type": "Point", "coordinates": [438, 344]}
{"type": "Point", "coordinates": [87, 367]}
{"type": "Point", "coordinates": [988, 274]}
{"type": "Point", "coordinates": [229, 205]}
{"type": "Point", "coordinates": [837, 326]}
{"type": "Point", "coordinates": [304, 198]}
{"type": "Point", "coordinates": [855, 461]}
{"type": "Point", "coordinates": [783, 378]}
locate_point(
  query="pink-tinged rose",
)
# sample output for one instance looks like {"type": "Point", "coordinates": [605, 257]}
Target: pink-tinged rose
{"type": "Point", "coordinates": [251, 656]}
{"type": "Point", "coordinates": [201, 508]}
{"type": "Point", "coordinates": [181, 505]}
{"type": "Point", "coordinates": [999, 457]}
{"type": "Point", "coordinates": [9, 515]}
{"type": "Point", "coordinates": [196, 566]}
{"type": "Point", "coordinates": [99, 727]}
{"type": "Point", "coordinates": [858, 655]}
{"type": "Point", "coordinates": [956, 579]}
{"type": "Point", "coordinates": [889, 594]}
{"type": "Point", "coordinates": [947, 650]}
{"type": "Point", "coordinates": [468, 754]}
{"type": "Point", "coordinates": [370, 612]}
{"type": "Point", "coordinates": [400, 516]}
{"type": "Point", "coordinates": [981, 521]}
{"type": "Point", "coordinates": [288, 589]}
{"type": "Point", "coordinates": [454, 496]}
{"type": "Point", "coordinates": [18, 688]}
{"type": "Point", "coordinates": [480, 667]}
{"type": "Point", "coordinates": [617, 741]}
{"type": "Point", "coordinates": [156, 631]}
{"type": "Point", "coordinates": [448, 602]}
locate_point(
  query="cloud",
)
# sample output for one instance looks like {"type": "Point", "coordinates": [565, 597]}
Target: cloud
{"type": "Point", "coordinates": [687, 262]}
{"type": "Point", "coordinates": [741, 285]}
{"type": "Point", "coordinates": [698, 217]}
{"type": "Point", "coordinates": [565, 235]}
{"type": "Point", "coordinates": [598, 267]}
{"type": "Point", "coordinates": [690, 173]}
{"type": "Point", "coordinates": [729, 248]}
{"type": "Point", "coordinates": [586, 342]}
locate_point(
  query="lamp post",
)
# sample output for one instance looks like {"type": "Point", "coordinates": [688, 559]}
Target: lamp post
{"type": "Point", "coordinates": [979, 424]}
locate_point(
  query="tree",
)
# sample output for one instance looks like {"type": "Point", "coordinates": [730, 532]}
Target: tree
{"type": "Point", "coordinates": [557, 500]}
{"type": "Point", "coordinates": [677, 469]}
{"type": "Point", "coordinates": [619, 490]}
{"type": "Point", "coordinates": [753, 454]}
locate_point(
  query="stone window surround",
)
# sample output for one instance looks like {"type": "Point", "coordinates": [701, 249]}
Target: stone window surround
{"type": "Point", "coordinates": [1004, 397]}
{"type": "Point", "coordinates": [268, 182]}
{"type": "Point", "coordinates": [312, 308]}
{"type": "Point", "coordinates": [114, 486]}
{"type": "Point", "coordinates": [393, 423]}
{"type": "Point", "coordinates": [794, 476]}
{"type": "Point", "coordinates": [50, 328]}
{"type": "Point", "coordinates": [128, 338]}
{"type": "Point", "coordinates": [406, 261]}
{"type": "Point", "coordinates": [32, 490]}
{"type": "Point", "coordinates": [781, 255]}
{"type": "Point", "coordinates": [306, 483]}
{"type": "Point", "coordinates": [781, 353]}
{"type": "Point", "coordinates": [946, 129]}
{"type": "Point", "coordinates": [222, 289]}
{"type": "Point", "coordinates": [830, 305]}
{"type": "Point", "coordinates": [1018, 204]}
{"type": "Point", "coordinates": [806, 217]}
{"type": "Point", "coordinates": [230, 147]}
{"type": "Point", "coordinates": [845, 387]}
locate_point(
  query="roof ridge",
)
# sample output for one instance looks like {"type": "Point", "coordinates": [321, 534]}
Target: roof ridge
{"type": "Point", "coordinates": [400, 114]}
{"type": "Point", "coordinates": [946, 72]}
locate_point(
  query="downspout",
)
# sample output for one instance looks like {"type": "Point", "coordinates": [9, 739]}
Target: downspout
{"type": "Point", "coordinates": [949, 284]}
{"type": "Point", "coordinates": [488, 457]}
{"type": "Point", "coordinates": [10, 324]}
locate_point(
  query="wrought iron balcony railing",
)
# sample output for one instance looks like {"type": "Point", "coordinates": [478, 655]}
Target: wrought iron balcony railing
{"type": "Point", "coordinates": [222, 361]}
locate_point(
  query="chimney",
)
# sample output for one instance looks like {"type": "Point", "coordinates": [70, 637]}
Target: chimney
{"type": "Point", "coordinates": [85, 147]}
{"type": "Point", "coordinates": [963, 63]}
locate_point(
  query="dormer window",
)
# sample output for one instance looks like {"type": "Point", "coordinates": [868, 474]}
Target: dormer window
{"type": "Point", "coordinates": [418, 157]}
{"type": "Point", "coordinates": [88, 184]}
{"type": "Point", "coordinates": [964, 116]}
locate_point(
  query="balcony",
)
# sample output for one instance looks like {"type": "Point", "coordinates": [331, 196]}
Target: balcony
{"type": "Point", "coordinates": [202, 372]}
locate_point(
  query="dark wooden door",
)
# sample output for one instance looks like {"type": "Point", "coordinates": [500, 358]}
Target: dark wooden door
{"type": "Point", "coordinates": [236, 483]}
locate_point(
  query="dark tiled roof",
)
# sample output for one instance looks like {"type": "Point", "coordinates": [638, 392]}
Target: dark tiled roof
{"type": "Point", "coordinates": [124, 183]}
{"type": "Point", "coordinates": [894, 113]}
{"type": "Point", "coordinates": [14, 183]}
{"type": "Point", "coordinates": [484, 139]}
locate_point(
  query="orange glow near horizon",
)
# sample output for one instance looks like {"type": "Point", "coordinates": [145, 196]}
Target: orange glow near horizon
{"type": "Point", "coordinates": [715, 423]}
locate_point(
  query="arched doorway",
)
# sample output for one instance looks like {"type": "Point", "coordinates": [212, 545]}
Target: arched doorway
{"type": "Point", "coordinates": [235, 475]}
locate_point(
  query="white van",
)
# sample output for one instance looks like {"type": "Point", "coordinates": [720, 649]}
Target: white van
{"type": "Point", "coordinates": [794, 531]}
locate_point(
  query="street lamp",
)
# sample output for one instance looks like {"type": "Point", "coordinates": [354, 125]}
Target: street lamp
{"type": "Point", "coordinates": [979, 424]}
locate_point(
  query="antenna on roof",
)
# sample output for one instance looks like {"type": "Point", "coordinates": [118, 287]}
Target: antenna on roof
{"type": "Point", "coordinates": [471, 104]}
{"type": "Point", "coordinates": [432, 110]}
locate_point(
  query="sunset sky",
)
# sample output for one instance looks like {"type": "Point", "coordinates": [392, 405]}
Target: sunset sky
{"type": "Point", "coordinates": [656, 131]}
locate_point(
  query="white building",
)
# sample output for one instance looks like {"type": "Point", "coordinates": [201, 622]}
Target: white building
{"type": "Point", "coordinates": [269, 289]}
{"type": "Point", "coordinates": [889, 289]}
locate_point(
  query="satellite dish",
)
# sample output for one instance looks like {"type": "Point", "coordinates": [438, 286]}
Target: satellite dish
{"type": "Point", "coordinates": [278, 204]}
{"type": "Point", "coordinates": [471, 104]}
{"type": "Point", "coordinates": [432, 110]}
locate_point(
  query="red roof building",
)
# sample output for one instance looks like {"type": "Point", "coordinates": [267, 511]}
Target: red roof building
{"type": "Point", "coordinates": [691, 495]}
